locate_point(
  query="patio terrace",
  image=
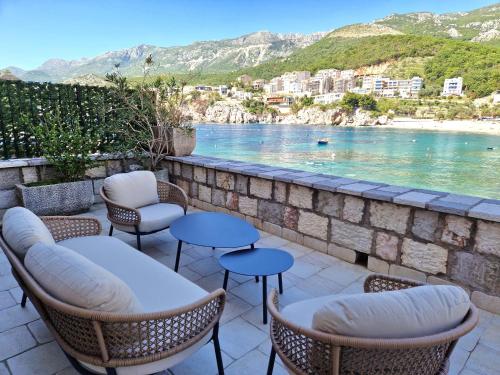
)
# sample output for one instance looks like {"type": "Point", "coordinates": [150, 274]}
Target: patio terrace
{"type": "Point", "coordinates": [26, 346]}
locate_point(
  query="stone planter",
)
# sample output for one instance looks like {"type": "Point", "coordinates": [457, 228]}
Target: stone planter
{"type": "Point", "coordinates": [183, 143]}
{"type": "Point", "coordinates": [57, 199]}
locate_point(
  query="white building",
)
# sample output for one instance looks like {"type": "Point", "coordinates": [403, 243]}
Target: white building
{"type": "Point", "coordinates": [223, 90]}
{"type": "Point", "coordinates": [329, 98]}
{"type": "Point", "coordinates": [390, 88]}
{"type": "Point", "coordinates": [452, 86]}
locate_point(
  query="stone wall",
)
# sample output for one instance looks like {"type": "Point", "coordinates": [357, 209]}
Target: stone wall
{"type": "Point", "coordinates": [426, 235]}
{"type": "Point", "coordinates": [21, 171]}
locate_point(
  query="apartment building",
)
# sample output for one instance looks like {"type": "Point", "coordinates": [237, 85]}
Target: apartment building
{"type": "Point", "coordinates": [245, 79]}
{"type": "Point", "coordinates": [452, 86]}
{"type": "Point", "coordinates": [329, 98]}
{"type": "Point", "coordinates": [390, 88]}
{"type": "Point", "coordinates": [258, 84]}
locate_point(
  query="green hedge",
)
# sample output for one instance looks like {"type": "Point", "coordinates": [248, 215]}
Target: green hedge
{"type": "Point", "coordinates": [23, 104]}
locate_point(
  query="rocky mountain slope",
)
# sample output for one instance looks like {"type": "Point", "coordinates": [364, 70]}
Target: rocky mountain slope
{"type": "Point", "coordinates": [480, 25]}
{"type": "Point", "coordinates": [208, 56]}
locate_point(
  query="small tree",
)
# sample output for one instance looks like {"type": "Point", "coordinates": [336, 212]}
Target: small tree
{"type": "Point", "coordinates": [155, 108]}
{"type": "Point", "coordinates": [66, 145]}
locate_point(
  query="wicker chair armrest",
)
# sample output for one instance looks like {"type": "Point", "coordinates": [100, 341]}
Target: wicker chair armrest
{"type": "Point", "coordinates": [119, 214]}
{"type": "Point", "coordinates": [381, 283]}
{"type": "Point", "coordinates": [171, 193]}
{"type": "Point", "coordinates": [65, 227]}
{"type": "Point", "coordinates": [304, 351]}
{"type": "Point", "coordinates": [136, 339]}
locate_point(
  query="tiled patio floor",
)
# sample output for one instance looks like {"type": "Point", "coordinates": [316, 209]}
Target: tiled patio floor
{"type": "Point", "coordinates": [26, 347]}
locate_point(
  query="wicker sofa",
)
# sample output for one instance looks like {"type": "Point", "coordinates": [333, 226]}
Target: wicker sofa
{"type": "Point", "coordinates": [177, 319]}
{"type": "Point", "coordinates": [140, 204]}
{"type": "Point", "coordinates": [304, 350]}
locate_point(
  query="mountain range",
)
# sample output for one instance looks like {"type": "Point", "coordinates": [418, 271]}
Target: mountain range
{"type": "Point", "coordinates": [252, 51]}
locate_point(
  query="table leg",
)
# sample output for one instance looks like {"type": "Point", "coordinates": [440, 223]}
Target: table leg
{"type": "Point", "coordinates": [178, 257]}
{"type": "Point", "coordinates": [264, 298]}
{"type": "Point", "coordinates": [280, 282]}
{"type": "Point", "coordinates": [226, 277]}
{"type": "Point", "coordinates": [256, 279]}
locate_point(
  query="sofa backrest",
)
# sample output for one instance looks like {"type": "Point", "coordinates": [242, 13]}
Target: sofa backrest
{"type": "Point", "coordinates": [21, 229]}
{"type": "Point", "coordinates": [133, 189]}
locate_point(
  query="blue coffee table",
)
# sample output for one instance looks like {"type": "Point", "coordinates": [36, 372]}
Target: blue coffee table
{"type": "Point", "coordinates": [212, 229]}
{"type": "Point", "coordinates": [257, 262]}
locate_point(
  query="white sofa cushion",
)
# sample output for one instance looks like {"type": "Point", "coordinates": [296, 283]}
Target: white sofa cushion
{"type": "Point", "coordinates": [134, 189]}
{"type": "Point", "coordinates": [76, 280]}
{"type": "Point", "coordinates": [414, 312]}
{"type": "Point", "coordinates": [155, 217]}
{"type": "Point", "coordinates": [156, 286]}
{"type": "Point", "coordinates": [22, 229]}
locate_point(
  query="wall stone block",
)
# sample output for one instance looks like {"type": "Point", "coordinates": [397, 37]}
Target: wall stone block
{"type": "Point", "coordinates": [329, 203]}
{"type": "Point", "coordinates": [300, 196]}
{"type": "Point", "coordinates": [248, 206]}
{"type": "Point", "coordinates": [184, 185]}
{"type": "Point", "coordinates": [225, 180]}
{"type": "Point", "coordinates": [200, 174]}
{"type": "Point", "coordinates": [187, 171]}
{"type": "Point", "coordinates": [241, 184]}
{"type": "Point", "coordinates": [397, 270]}
{"type": "Point", "coordinates": [313, 225]}
{"type": "Point", "coordinates": [219, 197]}
{"type": "Point", "coordinates": [377, 265]}
{"type": "Point", "coordinates": [30, 174]}
{"type": "Point", "coordinates": [177, 168]}
{"type": "Point", "coordinates": [488, 238]}
{"type": "Point", "coordinates": [261, 188]}
{"type": "Point", "coordinates": [205, 193]}
{"type": "Point", "coordinates": [479, 271]}
{"type": "Point", "coordinates": [456, 230]}
{"type": "Point", "coordinates": [316, 244]}
{"type": "Point", "coordinates": [342, 253]}
{"type": "Point", "coordinates": [424, 257]}
{"type": "Point", "coordinates": [425, 224]}
{"type": "Point", "coordinates": [280, 192]}
{"type": "Point", "coordinates": [389, 216]}
{"type": "Point", "coordinates": [291, 218]}
{"type": "Point", "coordinates": [232, 200]}
{"type": "Point", "coordinates": [351, 236]}
{"type": "Point", "coordinates": [386, 246]}
{"type": "Point", "coordinates": [353, 209]}
{"type": "Point", "coordinates": [270, 211]}
{"type": "Point", "coordinates": [210, 177]}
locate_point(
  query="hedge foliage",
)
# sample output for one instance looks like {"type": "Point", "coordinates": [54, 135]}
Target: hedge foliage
{"type": "Point", "coordinates": [24, 105]}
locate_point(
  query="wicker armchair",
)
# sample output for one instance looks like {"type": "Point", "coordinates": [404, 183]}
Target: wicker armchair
{"type": "Point", "coordinates": [129, 219]}
{"type": "Point", "coordinates": [307, 351]}
{"type": "Point", "coordinates": [113, 340]}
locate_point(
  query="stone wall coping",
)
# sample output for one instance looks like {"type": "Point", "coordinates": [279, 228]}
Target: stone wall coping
{"type": "Point", "coordinates": [33, 162]}
{"type": "Point", "coordinates": [456, 204]}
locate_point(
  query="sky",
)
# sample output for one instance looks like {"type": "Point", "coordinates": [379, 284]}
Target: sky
{"type": "Point", "coordinates": [33, 31]}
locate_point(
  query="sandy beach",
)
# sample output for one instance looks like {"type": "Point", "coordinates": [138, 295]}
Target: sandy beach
{"type": "Point", "coordinates": [472, 126]}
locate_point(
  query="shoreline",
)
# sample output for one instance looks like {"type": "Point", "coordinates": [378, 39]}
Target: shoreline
{"type": "Point", "coordinates": [468, 126]}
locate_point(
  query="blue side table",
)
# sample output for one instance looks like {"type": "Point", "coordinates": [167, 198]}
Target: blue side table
{"type": "Point", "coordinates": [212, 229]}
{"type": "Point", "coordinates": [257, 262]}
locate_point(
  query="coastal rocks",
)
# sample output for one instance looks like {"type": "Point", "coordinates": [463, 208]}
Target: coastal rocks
{"type": "Point", "coordinates": [229, 113]}
{"type": "Point", "coordinates": [315, 116]}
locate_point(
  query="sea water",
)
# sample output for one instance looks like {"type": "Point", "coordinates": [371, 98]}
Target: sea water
{"type": "Point", "coordinates": [457, 162]}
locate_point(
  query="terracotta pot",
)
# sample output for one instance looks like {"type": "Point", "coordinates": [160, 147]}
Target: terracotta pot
{"type": "Point", "coordinates": [183, 143]}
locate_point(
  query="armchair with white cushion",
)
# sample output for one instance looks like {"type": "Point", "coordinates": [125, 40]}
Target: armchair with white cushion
{"type": "Point", "coordinates": [140, 204]}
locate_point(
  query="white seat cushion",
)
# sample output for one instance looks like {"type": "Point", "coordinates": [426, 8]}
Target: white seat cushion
{"type": "Point", "coordinates": [156, 286]}
{"type": "Point", "coordinates": [414, 312]}
{"type": "Point", "coordinates": [76, 280]}
{"type": "Point", "coordinates": [21, 229]}
{"type": "Point", "coordinates": [155, 217]}
{"type": "Point", "coordinates": [134, 189]}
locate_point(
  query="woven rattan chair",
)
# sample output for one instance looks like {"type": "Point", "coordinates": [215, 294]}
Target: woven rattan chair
{"type": "Point", "coordinates": [116, 340]}
{"type": "Point", "coordinates": [307, 351]}
{"type": "Point", "coordinates": [129, 219]}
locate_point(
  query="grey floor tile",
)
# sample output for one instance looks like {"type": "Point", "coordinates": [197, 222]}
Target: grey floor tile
{"type": "Point", "coordinates": [231, 335]}
{"type": "Point", "coordinates": [201, 363]}
{"type": "Point", "coordinates": [40, 331]}
{"type": "Point", "coordinates": [15, 341]}
{"type": "Point", "coordinates": [253, 363]}
{"type": "Point", "coordinates": [44, 359]}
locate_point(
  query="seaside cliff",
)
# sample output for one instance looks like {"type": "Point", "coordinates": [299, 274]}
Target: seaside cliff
{"type": "Point", "coordinates": [235, 113]}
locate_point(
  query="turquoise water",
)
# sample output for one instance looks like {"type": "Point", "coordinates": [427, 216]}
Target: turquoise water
{"type": "Point", "coordinates": [446, 161]}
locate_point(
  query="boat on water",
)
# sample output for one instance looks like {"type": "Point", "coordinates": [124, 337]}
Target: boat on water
{"type": "Point", "coordinates": [323, 141]}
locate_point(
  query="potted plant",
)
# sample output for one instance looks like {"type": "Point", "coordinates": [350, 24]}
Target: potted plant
{"type": "Point", "coordinates": [68, 148]}
{"type": "Point", "coordinates": [157, 125]}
